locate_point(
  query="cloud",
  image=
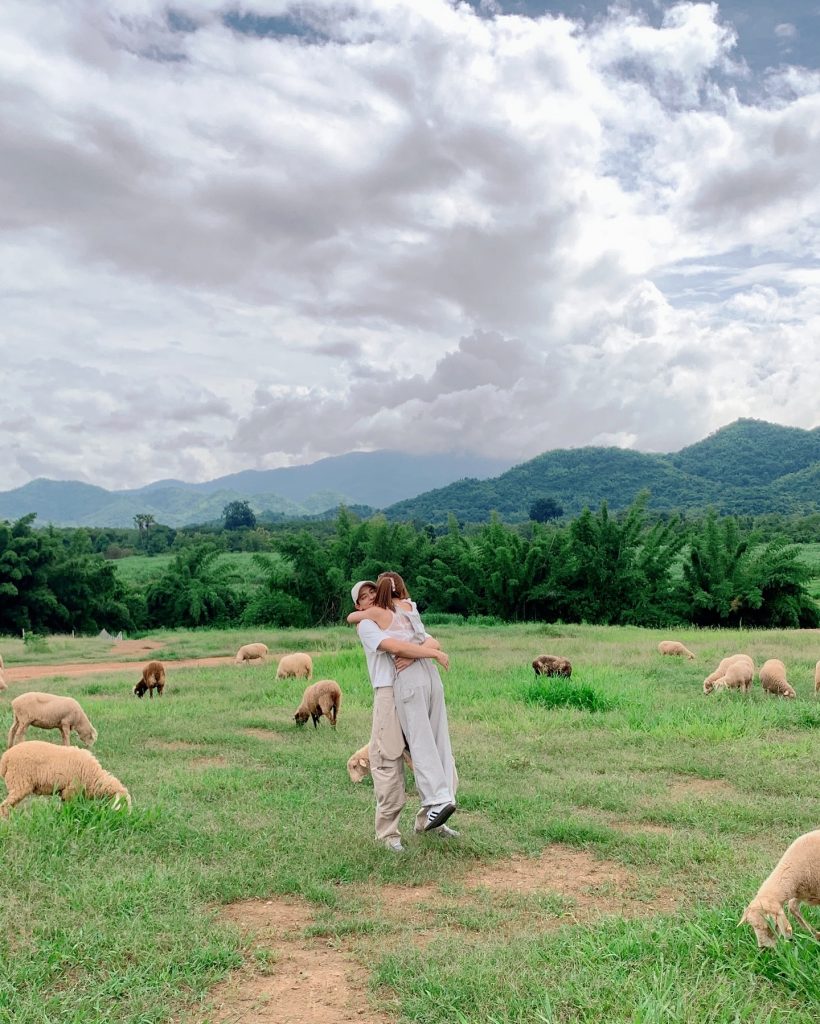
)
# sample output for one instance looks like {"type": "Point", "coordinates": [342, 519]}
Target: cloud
{"type": "Point", "coordinates": [257, 236]}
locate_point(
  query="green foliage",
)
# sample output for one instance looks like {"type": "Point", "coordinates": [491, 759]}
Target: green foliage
{"type": "Point", "coordinates": [238, 515]}
{"type": "Point", "coordinates": [545, 508]}
{"type": "Point", "coordinates": [559, 692]}
{"type": "Point", "coordinates": [195, 590]}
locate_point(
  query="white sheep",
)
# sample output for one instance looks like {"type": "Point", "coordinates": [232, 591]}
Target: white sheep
{"type": "Point", "coordinates": [300, 666]}
{"type": "Point", "coordinates": [773, 679]}
{"type": "Point", "coordinates": [795, 879]}
{"type": "Point", "coordinates": [251, 652]}
{"type": "Point", "coordinates": [3, 684]}
{"type": "Point", "coordinates": [2, 663]}
{"type": "Point", "coordinates": [322, 698]}
{"type": "Point", "coordinates": [675, 647]}
{"type": "Point", "coordinates": [47, 711]}
{"type": "Point", "coordinates": [817, 678]}
{"type": "Point", "coordinates": [41, 769]}
{"type": "Point", "coordinates": [747, 675]}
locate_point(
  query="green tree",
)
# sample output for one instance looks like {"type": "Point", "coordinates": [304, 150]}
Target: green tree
{"type": "Point", "coordinates": [195, 590]}
{"type": "Point", "coordinates": [238, 515]}
{"type": "Point", "coordinates": [543, 509]}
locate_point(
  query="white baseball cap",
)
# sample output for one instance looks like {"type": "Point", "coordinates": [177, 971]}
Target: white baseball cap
{"type": "Point", "coordinates": [354, 590]}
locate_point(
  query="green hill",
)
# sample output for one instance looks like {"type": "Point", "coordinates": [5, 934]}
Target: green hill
{"type": "Point", "coordinates": [746, 467]}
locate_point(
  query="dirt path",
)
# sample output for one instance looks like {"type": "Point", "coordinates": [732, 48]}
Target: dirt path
{"type": "Point", "coordinates": [141, 648]}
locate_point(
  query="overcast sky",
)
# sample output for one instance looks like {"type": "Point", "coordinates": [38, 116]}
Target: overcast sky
{"type": "Point", "coordinates": [244, 234]}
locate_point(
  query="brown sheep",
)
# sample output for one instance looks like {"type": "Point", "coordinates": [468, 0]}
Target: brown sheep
{"type": "Point", "coordinates": [299, 666]}
{"type": "Point", "coordinates": [40, 769]}
{"type": "Point", "coordinates": [358, 764]}
{"type": "Point", "coordinates": [153, 675]}
{"type": "Point", "coordinates": [709, 683]}
{"type": "Point", "coordinates": [817, 678]}
{"type": "Point", "coordinates": [773, 679]}
{"type": "Point", "coordinates": [322, 698]}
{"type": "Point", "coordinates": [551, 665]}
{"type": "Point", "coordinates": [46, 711]}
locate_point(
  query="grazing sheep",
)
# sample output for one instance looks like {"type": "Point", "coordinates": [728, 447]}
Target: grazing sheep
{"type": "Point", "coordinates": [322, 698]}
{"type": "Point", "coordinates": [720, 672]}
{"type": "Point", "coordinates": [773, 679]}
{"type": "Point", "coordinates": [3, 684]}
{"type": "Point", "coordinates": [550, 665]}
{"type": "Point", "coordinates": [817, 678]}
{"type": "Point", "coordinates": [2, 664]}
{"type": "Point", "coordinates": [251, 652]}
{"type": "Point", "coordinates": [738, 676]}
{"type": "Point", "coordinates": [39, 768]}
{"type": "Point", "coordinates": [300, 666]}
{"type": "Point", "coordinates": [358, 764]}
{"type": "Point", "coordinates": [49, 712]}
{"type": "Point", "coordinates": [675, 647]}
{"type": "Point", "coordinates": [153, 675]}
{"type": "Point", "coordinates": [795, 879]}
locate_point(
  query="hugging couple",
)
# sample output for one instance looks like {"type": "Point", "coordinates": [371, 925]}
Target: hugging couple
{"type": "Point", "coordinates": [408, 708]}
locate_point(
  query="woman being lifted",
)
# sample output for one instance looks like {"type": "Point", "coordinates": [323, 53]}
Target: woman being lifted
{"type": "Point", "coordinates": [419, 697]}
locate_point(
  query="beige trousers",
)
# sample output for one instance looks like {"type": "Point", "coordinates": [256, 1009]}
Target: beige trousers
{"type": "Point", "coordinates": [387, 764]}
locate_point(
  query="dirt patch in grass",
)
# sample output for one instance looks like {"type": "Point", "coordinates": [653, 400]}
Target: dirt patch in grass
{"type": "Point", "coordinates": [171, 745]}
{"type": "Point", "coordinates": [135, 646]}
{"type": "Point", "coordinates": [317, 980]}
{"type": "Point", "coordinates": [263, 734]}
{"type": "Point", "coordinates": [311, 981]}
{"type": "Point", "coordinates": [22, 673]}
{"type": "Point", "coordinates": [210, 762]}
{"type": "Point", "coordinates": [685, 787]}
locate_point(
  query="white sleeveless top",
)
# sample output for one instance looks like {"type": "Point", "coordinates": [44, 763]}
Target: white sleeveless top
{"type": "Point", "coordinates": [407, 625]}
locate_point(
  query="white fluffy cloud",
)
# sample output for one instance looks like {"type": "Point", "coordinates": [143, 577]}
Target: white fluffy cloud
{"type": "Point", "coordinates": [248, 235]}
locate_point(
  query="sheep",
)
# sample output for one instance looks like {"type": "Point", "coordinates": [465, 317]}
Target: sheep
{"type": "Point", "coordinates": [773, 679]}
{"type": "Point", "coordinates": [49, 712]}
{"type": "Point", "coordinates": [817, 678]}
{"type": "Point", "coordinates": [2, 663]}
{"type": "Point", "coordinates": [358, 764]}
{"type": "Point", "coordinates": [795, 879]}
{"type": "Point", "coordinates": [322, 698]}
{"type": "Point", "coordinates": [300, 666]}
{"type": "Point", "coordinates": [250, 652]}
{"type": "Point", "coordinates": [3, 684]}
{"type": "Point", "coordinates": [738, 676]}
{"type": "Point", "coordinates": [153, 675]}
{"type": "Point", "coordinates": [550, 665]}
{"type": "Point", "coordinates": [41, 769]}
{"type": "Point", "coordinates": [675, 647]}
{"type": "Point", "coordinates": [720, 673]}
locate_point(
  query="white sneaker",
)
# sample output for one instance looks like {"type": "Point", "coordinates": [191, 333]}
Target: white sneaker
{"type": "Point", "coordinates": [443, 830]}
{"type": "Point", "coordinates": [395, 846]}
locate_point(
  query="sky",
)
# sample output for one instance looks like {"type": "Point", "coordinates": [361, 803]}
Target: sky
{"type": "Point", "coordinates": [244, 234]}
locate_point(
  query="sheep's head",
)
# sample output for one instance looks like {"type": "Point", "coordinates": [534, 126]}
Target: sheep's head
{"type": "Point", "coordinates": [301, 716]}
{"type": "Point", "coordinates": [88, 734]}
{"type": "Point", "coordinates": [358, 768]}
{"type": "Point", "coordinates": [708, 685]}
{"type": "Point", "coordinates": [757, 915]}
{"type": "Point", "coordinates": [141, 688]}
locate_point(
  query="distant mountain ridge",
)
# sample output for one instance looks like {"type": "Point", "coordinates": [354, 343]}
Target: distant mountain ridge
{"type": "Point", "coordinates": [374, 479]}
{"type": "Point", "coordinates": [749, 466]}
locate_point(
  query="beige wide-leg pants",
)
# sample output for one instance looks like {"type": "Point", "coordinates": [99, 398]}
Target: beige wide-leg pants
{"type": "Point", "coordinates": [387, 764]}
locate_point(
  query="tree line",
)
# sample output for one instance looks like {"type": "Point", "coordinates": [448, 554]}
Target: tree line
{"type": "Point", "coordinates": [598, 568]}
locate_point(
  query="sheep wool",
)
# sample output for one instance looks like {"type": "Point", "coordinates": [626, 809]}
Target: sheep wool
{"type": "Point", "coordinates": [3, 684]}
{"type": "Point", "coordinates": [795, 879]}
{"type": "Point", "coordinates": [817, 678]}
{"type": "Point", "coordinates": [720, 672]}
{"type": "Point", "coordinates": [358, 764]}
{"type": "Point", "coordinates": [322, 698]}
{"type": "Point", "coordinates": [153, 676]}
{"type": "Point", "coordinates": [35, 768]}
{"type": "Point", "coordinates": [773, 679]}
{"type": "Point", "coordinates": [551, 665]}
{"type": "Point", "coordinates": [251, 652]}
{"type": "Point", "coordinates": [675, 647]}
{"type": "Point", "coordinates": [47, 711]}
{"type": "Point", "coordinates": [297, 666]}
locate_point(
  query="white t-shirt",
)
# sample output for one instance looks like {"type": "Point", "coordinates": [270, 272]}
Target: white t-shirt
{"type": "Point", "coordinates": [381, 666]}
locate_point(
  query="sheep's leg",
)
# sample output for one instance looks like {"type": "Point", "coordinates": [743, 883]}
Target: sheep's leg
{"type": "Point", "coordinates": [65, 732]}
{"type": "Point", "coordinates": [151, 692]}
{"type": "Point", "coordinates": [11, 800]}
{"type": "Point", "coordinates": [794, 908]}
{"type": "Point", "coordinates": [13, 732]}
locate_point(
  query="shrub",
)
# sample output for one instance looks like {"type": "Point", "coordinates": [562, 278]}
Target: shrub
{"type": "Point", "coordinates": [550, 692]}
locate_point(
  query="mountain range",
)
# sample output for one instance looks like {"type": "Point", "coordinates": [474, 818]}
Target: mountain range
{"type": "Point", "coordinates": [749, 466]}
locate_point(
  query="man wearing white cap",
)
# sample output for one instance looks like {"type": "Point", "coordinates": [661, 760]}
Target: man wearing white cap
{"type": "Point", "coordinates": [386, 739]}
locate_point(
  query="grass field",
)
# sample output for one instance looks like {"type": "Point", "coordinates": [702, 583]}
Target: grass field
{"type": "Point", "coordinates": [604, 861]}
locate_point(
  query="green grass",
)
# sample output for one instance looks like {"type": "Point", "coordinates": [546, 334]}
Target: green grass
{"type": "Point", "coordinates": [114, 918]}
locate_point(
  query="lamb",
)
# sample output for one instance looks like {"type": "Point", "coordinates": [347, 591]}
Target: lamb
{"type": "Point", "coordinates": [773, 679]}
{"type": "Point", "coordinates": [39, 768]}
{"type": "Point", "coordinates": [738, 676]}
{"type": "Point", "coordinates": [300, 666]}
{"type": "Point", "coordinates": [251, 652]}
{"type": "Point", "coordinates": [675, 647]}
{"type": "Point", "coordinates": [817, 678]}
{"type": "Point", "coordinates": [742, 680]}
{"type": "Point", "coordinates": [796, 878]}
{"type": "Point", "coordinates": [322, 698]}
{"type": "Point", "coordinates": [550, 665]}
{"type": "Point", "coordinates": [153, 675]}
{"type": "Point", "coordinates": [358, 764]}
{"type": "Point", "coordinates": [49, 712]}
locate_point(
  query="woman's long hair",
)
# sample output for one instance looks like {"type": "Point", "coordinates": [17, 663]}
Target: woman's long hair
{"type": "Point", "coordinates": [390, 587]}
